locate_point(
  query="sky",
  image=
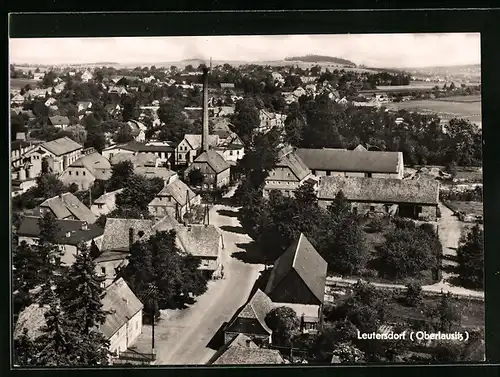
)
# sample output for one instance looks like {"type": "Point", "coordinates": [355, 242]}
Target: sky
{"type": "Point", "coordinates": [373, 50]}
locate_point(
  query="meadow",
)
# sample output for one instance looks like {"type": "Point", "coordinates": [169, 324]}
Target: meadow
{"type": "Point", "coordinates": [21, 83]}
{"type": "Point", "coordinates": [446, 108]}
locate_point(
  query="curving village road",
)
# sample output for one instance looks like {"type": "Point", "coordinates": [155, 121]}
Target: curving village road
{"type": "Point", "coordinates": [182, 336]}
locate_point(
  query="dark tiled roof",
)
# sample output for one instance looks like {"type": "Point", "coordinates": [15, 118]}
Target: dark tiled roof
{"type": "Point", "coordinates": [58, 119]}
{"type": "Point", "coordinates": [141, 159]}
{"type": "Point", "coordinates": [214, 160]}
{"type": "Point", "coordinates": [422, 191]}
{"type": "Point", "coordinates": [123, 305]}
{"type": "Point", "coordinates": [61, 146]}
{"type": "Point", "coordinates": [165, 224]}
{"type": "Point", "coordinates": [242, 350]}
{"type": "Point", "coordinates": [110, 255]}
{"type": "Point", "coordinates": [295, 164]}
{"type": "Point", "coordinates": [179, 191]}
{"type": "Point", "coordinates": [302, 257]}
{"type": "Point", "coordinates": [152, 172]}
{"type": "Point", "coordinates": [194, 140]}
{"type": "Point", "coordinates": [116, 232]}
{"type": "Point", "coordinates": [108, 197]}
{"type": "Point", "coordinates": [94, 162]}
{"type": "Point", "coordinates": [199, 240]}
{"type": "Point", "coordinates": [29, 228]}
{"type": "Point", "coordinates": [350, 161]}
{"type": "Point", "coordinates": [67, 205]}
{"type": "Point", "coordinates": [257, 308]}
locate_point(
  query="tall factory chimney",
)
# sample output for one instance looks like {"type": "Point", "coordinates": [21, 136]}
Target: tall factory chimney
{"type": "Point", "coordinates": [204, 136]}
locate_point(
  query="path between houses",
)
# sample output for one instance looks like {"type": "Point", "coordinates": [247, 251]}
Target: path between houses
{"type": "Point", "coordinates": [449, 234]}
{"type": "Point", "coordinates": [182, 336]}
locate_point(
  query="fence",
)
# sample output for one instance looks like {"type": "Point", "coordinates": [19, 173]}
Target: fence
{"type": "Point", "coordinates": [133, 357]}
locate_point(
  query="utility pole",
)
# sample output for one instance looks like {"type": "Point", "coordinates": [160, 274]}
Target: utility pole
{"type": "Point", "coordinates": [153, 312]}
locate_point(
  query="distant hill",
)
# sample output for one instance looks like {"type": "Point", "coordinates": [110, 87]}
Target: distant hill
{"type": "Point", "coordinates": [321, 58]}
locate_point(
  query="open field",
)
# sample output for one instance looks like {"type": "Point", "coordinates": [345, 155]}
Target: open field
{"type": "Point", "coordinates": [472, 312]}
{"type": "Point", "coordinates": [461, 99]}
{"type": "Point", "coordinates": [445, 109]}
{"type": "Point", "coordinates": [21, 83]}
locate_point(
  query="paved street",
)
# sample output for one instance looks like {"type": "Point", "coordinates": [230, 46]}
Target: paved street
{"type": "Point", "coordinates": [181, 336]}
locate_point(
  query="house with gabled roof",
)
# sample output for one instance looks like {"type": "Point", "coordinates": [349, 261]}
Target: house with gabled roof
{"type": "Point", "coordinates": [215, 170]}
{"type": "Point", "coordinates": [289, 173]}
{"type": "Point", "coordinates": [189, 147]}
{"type": "Point", "coordinates": [59, 121]}
{"type": "Point", "coordinates": [163, 150]}
{"type": "Point", "coordinates": [83, 105]}
{"type": "Point", "coordinates": [355, 163]}
{"type": "Point", "coordinates": [416, 199]}
{"type": "Point", "coordinates": [87, 169]}
{"type": "Point", "coordinates": [59, 87]}
{"type": "Point", "coordinates": [67, 206]}
{"type": "Point", "coordinates": [86, 76]}
{"type": "Point", "coordinates": [204, 242]}
{"type": "Point", "coordinates": [60, 153]}
{"type": "Point", "coordinates": [242, 350]}
{"type": "Point", "coordinates": [113, 109]}
{"type": "Point", "coordinates": [137, 130]}
{"type": "Point", "coordinates": [251, 320]}
{"type": "Point", "coordinates": [298, 275]}
{"type": "Point", "coordinates": [71, 233]}
{"type": "Point", "coordinates": [18, 99]}
{"type": "Point", "coordinates": [167, 175]}
{"type": "Point", "coordinates": [106, 203]}
{"type": "Point", "coordinates": [119, 236]}
{"type": "Point", "coordinates": [175, 199]}
{"type": "Point", "coordinates": [137, 159]}
{"type": "Point", "coordinates": [122, 326]}
{"type": "Point", "coordinates": [117, 90]}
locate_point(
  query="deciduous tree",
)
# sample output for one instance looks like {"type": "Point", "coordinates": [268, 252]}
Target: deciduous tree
{"type": "Point", "coordinates": [283, 321]}
{"type": "Point", "coordinates": [470, 258]}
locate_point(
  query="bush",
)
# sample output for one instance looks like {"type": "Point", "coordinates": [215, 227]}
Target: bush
{"type": "Point", "coordinates": [413, 295]}
{"type": "Point", "coordinates": [376, 224]}
{"type": "Point", "coordinates": [368, 273]}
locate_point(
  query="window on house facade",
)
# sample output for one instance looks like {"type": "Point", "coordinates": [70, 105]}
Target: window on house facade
{"type": "Point", "coordinates": [328, 173]}
{"type": "Point", "coordinates": [313, 171]}
{"type": "Point", "coordinates": [83, 173]}
{"type": "Point", "coordinates": [103, 270]}
{"type": "Point", "coordinates": [110, 155]}
{"type": "Point", "coordinates": [76, 172]}
{"type": "Point", "coordinates": [355, 210]}
{"type": "Point", "coordinates": [99, 206]}
{"type": "Point", "coordinates": [70, 172]}
{"type": "Point", "coordinates": [368, 175]}
{"type": "Point", "coordinates": [372, 208]}
{"type": "Point", "coordinates": [230, 153]}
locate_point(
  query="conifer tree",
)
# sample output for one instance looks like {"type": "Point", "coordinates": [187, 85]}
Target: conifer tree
{"type": "Point", "coordinates": [24, 350]}
{"type": "Point", "coordinates": [57, 344]}
{"type": "Point", "coordinates": [81, 292]}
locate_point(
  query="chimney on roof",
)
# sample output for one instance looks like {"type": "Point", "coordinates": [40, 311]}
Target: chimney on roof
{"type": "Point", "coordinates": [68, 234]}
{"type": "Point", "coordinates": [204, 136]}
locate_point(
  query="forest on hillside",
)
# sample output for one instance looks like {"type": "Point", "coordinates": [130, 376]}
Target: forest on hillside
{"type": "Point", "coordinates": [321, 58]}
